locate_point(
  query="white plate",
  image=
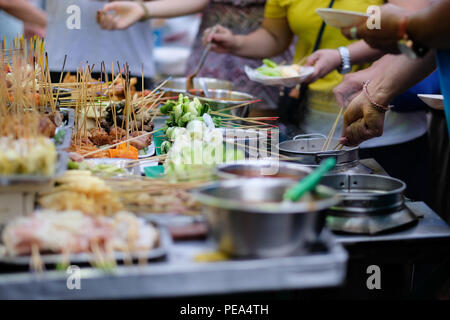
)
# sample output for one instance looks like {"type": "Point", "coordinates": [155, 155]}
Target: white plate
{"type": "Point", "coordinates": [342, 18]}
{"type": "Point", "coordinates": [435, 101]}
{"type": "Point", "coordinates": [150, 151]}
{"type": "Point", "coordinates": [254, 75]}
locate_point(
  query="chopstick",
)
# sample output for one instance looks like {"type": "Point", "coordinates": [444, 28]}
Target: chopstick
{"type": "Point", "coordinates": [326, 145]}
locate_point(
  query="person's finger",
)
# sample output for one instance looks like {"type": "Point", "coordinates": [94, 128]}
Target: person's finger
{"type": "Point", "coordinates": [353, 112]}
{"type": "Point", "coordinates": [339, 95]}
{"type": "Point", "coordinates": [217, 28]}
{"type": "Point", "coordinates": [312, 59]}
{"type": "Point", "coordinates": [220, 38]}
{"type": "Point", "coordinates": [111, 6]}
{"type": "Point", "coordinates": [119, 23]}
{"type": "Point", "coordinates": [356, 133]}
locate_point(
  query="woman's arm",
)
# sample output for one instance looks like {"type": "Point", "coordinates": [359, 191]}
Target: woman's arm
{"type": "Point", "coordinates": [25, 11]}
{"type": "Point", "coordinates": [362, 121]}
{"type": "Point", "coordinates": [272, 39]}
{"type": "Point", "coordinates": [327, 60]}
{"type": "Point", "coordinates": [126, 13]}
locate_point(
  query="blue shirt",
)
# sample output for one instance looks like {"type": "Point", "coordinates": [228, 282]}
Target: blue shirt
{"type": "Point", "coordinates": [443, 61]}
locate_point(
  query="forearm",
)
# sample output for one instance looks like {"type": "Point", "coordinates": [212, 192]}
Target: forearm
{"type": "Point", "coordinates": [403, 74]}
{"type": "Point", "coordinates": [25, 11]}
{"type": "Point", "coordinates": [431, 26]}
{"type": "Point", "coordinates": [172, 8]}
{"type": "Point", "coordinates": [361, 52]}
{"type": "Point", "coordinates": [270, 40]}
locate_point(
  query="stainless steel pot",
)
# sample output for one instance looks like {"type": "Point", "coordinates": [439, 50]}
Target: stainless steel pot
{"type": "Point", "coordinates": [366, 194]}
{"type": "Point", "coordinates": [261, 169]}
{"type": "Point", "coordinates": [219, 99]}
{"type": "Point", "coordinates": [306, 149]}
{"type": "Point", "coordinates": [248, 218]}
{"type": "Point", "coordinates": [178, 85]}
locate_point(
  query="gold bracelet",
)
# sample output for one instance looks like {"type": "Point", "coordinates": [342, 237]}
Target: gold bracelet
{"type": "Point", "coordinates": [377, 106]}
{"type": "Point", "coordinates": [146, 12]}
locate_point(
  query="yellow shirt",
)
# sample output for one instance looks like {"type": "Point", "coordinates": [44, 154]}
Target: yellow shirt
{"type": "Point", "coordinates": [305, 24]}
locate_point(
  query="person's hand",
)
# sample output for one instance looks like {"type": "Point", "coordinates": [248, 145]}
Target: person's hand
{"type": "Point", "coordinates": [126, 13]}
{"type": "Point", "coordinates": [223, 40]}
{"type": "Point", "coordinates": [387, 36]}
{"type": "Point", "coordinates": [324, 61]}
{"type": "Point", "coordinates": [350, 86]}
{"type": "Point", "coordinates": [361, 122]}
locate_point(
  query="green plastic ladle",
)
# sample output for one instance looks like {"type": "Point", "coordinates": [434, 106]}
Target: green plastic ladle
{"type": "Point", "coordinates": [310, 181]}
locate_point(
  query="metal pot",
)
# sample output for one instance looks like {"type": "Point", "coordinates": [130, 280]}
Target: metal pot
{"type": "Point", "coordinates": [220, 99]}
{"type": "Point", "coordinates": [247, 217]}
{"type": "Point", "coordinates": [366, 194]}
{"type": "Point", "coordinates": [261, 169]}
{"type": "Point", "coordinates": [306, 149]}
{"type": "Point", "coordinates": [371, 204]}
{"type": "Point", "coordinates": [178, 85]}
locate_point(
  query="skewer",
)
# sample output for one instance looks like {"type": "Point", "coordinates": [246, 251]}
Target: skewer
{"type": "Point", "coordinates": [326, 145]}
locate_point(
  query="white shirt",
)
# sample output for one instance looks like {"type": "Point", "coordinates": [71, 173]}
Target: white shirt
{"type": "Point", "coordinates": [92, 44]}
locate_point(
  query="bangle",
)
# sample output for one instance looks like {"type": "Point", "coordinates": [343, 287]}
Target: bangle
{"type": "Point", "coordinates": [377, 106]}
{"type": "Point", "coordinates": [146, 13]}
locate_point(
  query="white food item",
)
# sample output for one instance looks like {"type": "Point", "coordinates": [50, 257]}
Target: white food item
{"type": "Point", "coordinates": [290, 71]}
{"type": "Point", "coordinates": [75, 232]}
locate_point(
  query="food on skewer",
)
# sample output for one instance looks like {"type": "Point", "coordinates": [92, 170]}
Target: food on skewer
{"type": "Point", "coordinates": [75, 232]}
{"type": "Point", "coordinates": [80, 190]}
{"type": "Point", "coordinates": [32, 156]}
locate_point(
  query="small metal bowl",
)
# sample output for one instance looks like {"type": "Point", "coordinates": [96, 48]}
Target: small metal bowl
{"type": "Point", "coordinates": [261, 169]}
{"type": "Point", "coordinates": [219, 99]}
{"type": "Point", "coordinates": [178, 84]}
{"type": "Point", "coordinates": [248, 218]}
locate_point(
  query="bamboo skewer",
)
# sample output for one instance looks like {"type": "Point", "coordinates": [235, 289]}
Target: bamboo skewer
{"type": "Point", "coordinates": [326, 145]}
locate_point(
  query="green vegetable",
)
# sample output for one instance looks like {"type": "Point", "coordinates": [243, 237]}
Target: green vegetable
{"type": "Point", "coordinates": [59, 136]}
{"type": "Point", "coordinates": [270, 63]}
{"type": "Point", "coordinates": [178, 111]}
{"type": "Point", "coordinates": [165, 147]}
{"type": "Point", "coordinates": [167, 107]}
{"type": "Point", "coordinates": [72, 165]}
{"type": "Point", "coordinates": [185, 119]}
{"type": "Point", "coordinates": [270, 72]}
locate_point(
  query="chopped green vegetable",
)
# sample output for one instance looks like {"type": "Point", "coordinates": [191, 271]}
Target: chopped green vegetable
{"type": "Point", "coordinates": [72, 165]}
{"type": "Point", "coordinates": [59, 136]}
{"type": "Point", "coordinates": [270, 63]}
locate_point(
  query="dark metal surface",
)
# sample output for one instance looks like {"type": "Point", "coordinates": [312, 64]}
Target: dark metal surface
{"type": "Point", "coordinates": [429, 227]}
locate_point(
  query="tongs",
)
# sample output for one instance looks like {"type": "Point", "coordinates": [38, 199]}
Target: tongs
{"type": "Point", "coordinates": [190, 78]}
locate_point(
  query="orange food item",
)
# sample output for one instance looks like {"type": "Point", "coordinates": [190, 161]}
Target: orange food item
{"type": "Point", "coordinates": [123, 151]}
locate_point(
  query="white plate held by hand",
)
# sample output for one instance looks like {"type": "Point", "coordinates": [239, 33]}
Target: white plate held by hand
{"type": "Point", "coordinates": [342, 18]}
{"type": "Point", "coordinates": [254, 75]}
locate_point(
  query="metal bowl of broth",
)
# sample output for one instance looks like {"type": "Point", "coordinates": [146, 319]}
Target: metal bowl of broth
{"type": "Point", "coordinates": [248, 217]}
{"type": "Point", "coordinates": [178, 84]}
{"type": "Point", "coordinates": [261, 169]}
{"type": "Point", "coordinates": [220, 99]}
